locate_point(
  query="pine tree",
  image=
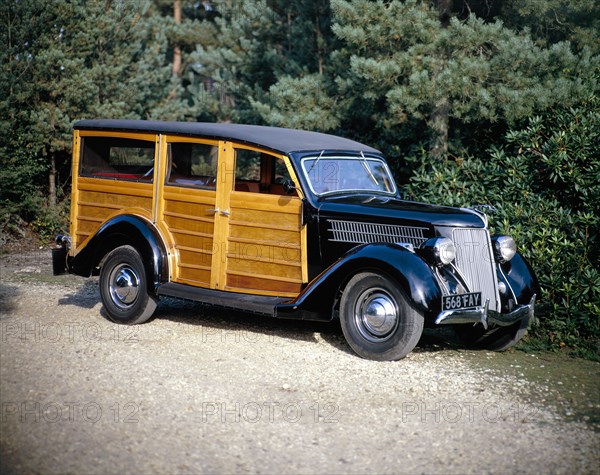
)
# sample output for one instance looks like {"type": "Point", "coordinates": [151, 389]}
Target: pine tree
{"type": "Point", "coordinates": [240, 63]}
{"type": "Point", "coordinates": [304, 94]}
{"type": "Point", "coordinates": [65, 61]}
{"type": "Point", "coordinates": [412, 70]}
{"type": "Point", "coordinates": [35, 96]}
{"type": "Point", "coordinates": [259, 43]}
{"type": "Point", "coordinates": [552, 21]}
{"type": "Point", "coordinates": [429, 65]}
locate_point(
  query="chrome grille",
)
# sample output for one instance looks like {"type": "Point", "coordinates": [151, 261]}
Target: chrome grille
{"type": "Point", "coordinates": [362, 233]}
{"type": "Point", "coordinates": [475, 261]}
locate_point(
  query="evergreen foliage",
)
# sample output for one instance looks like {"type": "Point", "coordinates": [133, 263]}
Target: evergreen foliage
{"type": "Point", "coordinates": [543, 181]}
{"type": "Point", "coordinates": [65, 61]}
{"type": "Point", "coordinates": [468, 71]}
{"type": "Point", "coordinates": [552, 21]}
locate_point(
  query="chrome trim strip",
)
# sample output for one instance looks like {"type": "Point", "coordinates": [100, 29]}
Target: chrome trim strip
{"type": "Point", "coordinates": [479, 214]}
{"type": "Point", "coordinates": [441, 281]}
{"type": "Point", "coordinates": [469, 315]}
{"type": "Point", "coordinates": [507, 283]}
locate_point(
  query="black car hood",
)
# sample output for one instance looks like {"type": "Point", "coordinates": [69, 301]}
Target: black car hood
{"type": "Point", "coordinates": [381, 209]}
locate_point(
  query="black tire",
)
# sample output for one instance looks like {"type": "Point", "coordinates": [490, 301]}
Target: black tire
{"type": "Point", "coordinates": [494, 338]}
{"type": "Point", "coordinates": [124, 287]}
{"type": "Point", "coordinates": [377, 320]}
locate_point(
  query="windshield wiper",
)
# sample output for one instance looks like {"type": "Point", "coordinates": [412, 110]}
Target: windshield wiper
{"type": "Point", "coordinates": [315, 164]}
{"type": "Point", "coordinates": [366, 167]}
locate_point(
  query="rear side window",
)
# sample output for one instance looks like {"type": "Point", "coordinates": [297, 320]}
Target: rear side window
{"type": "Point", "coordinates": [117, 159]}
{"type": "Point", "coordinates": [193, 164]}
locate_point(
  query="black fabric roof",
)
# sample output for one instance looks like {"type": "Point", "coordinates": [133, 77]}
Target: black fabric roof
{"type": "Point", "coordinates": [273, 138]}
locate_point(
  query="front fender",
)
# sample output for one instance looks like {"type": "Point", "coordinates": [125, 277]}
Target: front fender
{"type": "Point", "coordinates": [521, 278]}
{"type": "Point", "coordinates": [412, 274]}
{"type": "Point", "coordinates": [120, 231]}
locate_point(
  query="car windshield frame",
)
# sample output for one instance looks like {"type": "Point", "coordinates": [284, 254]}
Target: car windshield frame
{"type": "Point", "coordinates": [308, 163]}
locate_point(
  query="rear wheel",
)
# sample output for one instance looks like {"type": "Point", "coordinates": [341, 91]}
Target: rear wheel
{"type": "Point", "coordinates": [124, 287]}
{"type": "Point", "coordinates": [377, 320]}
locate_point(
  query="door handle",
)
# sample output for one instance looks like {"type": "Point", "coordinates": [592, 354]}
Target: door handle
{"type": "Point", "coordinates": [217, 210]}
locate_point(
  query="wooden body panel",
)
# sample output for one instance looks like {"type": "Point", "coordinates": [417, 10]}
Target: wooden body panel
{"type": "Point", "coordinates": [264, 252]}
{"type": "Point", "coordinates": [219, 238]}
{"type": "Point", "coordinates": [187, 217]}
{"type": "Point", "coordinates": [98, 200]}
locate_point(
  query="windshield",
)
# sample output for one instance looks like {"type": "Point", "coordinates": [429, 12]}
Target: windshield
{"type": "Point", "coordinates": [340, 174]}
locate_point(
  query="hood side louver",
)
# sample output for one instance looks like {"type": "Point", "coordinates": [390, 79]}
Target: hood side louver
{"type": "Point", "coordinates": [367, 233]}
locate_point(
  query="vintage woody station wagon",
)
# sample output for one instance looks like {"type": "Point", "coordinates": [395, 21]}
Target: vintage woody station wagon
{"type": "Point", "coordinates": [286, 223]}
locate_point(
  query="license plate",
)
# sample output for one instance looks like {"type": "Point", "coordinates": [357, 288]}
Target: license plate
{"type": "Point", "coordinates": [456, 302]}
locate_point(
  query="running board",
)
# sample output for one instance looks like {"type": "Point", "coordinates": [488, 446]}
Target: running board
{"type": "Point", "coordinates": [234, 300]}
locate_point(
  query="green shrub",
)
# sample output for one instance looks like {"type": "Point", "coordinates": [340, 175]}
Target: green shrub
{"type": "Point", "coordinates": [51, 221]}
{"type": "Point", "coordinates": [545, 184]}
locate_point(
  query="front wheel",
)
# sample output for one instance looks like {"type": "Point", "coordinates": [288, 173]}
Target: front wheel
{"type": "Point", "coordinates": [124, 287]}
{"type": "Point", "coordinates": [377, 320]}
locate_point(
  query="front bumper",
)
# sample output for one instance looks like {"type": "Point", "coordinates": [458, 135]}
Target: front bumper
{"type": "Point", "coordinates": [486, 317]}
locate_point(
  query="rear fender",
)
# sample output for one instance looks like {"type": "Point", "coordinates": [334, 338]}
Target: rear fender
{"type": "Point", "coordinates": [125, 230]}
{"type": "Point", "coordinates": [412, 274]}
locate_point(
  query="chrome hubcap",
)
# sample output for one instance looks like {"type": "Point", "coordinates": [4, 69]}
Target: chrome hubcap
{"type": "Point", "coordinates": [376, 315]}
{"type": "Point", "coordinates": [124, 285]}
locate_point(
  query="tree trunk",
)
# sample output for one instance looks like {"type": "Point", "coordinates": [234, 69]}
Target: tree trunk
{"type": "Point", "coordinates": [52, 181]}
{"type": "Point", "coordinates": [289, 32]}
{"type": "Point", "coordinates": [445, 9]}
{"type": "Point", "coordinates": [440, 114]}
{"type": "Point", "coordinates": [319, 52]}
{"type": "Point", "coordinates": [438, 123]}
{"type": "Point", "coordinates": [177, 48]}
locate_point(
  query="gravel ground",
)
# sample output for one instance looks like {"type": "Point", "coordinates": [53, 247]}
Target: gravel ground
{"type": "Point", "coordinates": [206, 391]}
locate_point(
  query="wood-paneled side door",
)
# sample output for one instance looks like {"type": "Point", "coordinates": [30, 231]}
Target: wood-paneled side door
{"type": "Point", "coordinates": [187, 208]}
{"type": "Point", "coordinates": [264, 249]}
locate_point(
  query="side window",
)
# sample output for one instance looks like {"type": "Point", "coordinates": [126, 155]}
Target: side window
{"type": "Point", "coordinates": [192, 164]}
{"type": "Point", "coordinates": [117, 159]}
{"type": "Point", "coordinates": [247, 165]}
{"type": "Point", "coordinates": [258, 172]}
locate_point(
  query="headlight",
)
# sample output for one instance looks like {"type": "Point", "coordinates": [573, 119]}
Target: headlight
{"type": "Point", "coordinates": [439, 250]}
{"type": "Point", "coordinates": [505, 248]}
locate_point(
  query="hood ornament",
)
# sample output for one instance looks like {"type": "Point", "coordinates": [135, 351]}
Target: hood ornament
{"type": "Point", "coordinates": [484, 208]}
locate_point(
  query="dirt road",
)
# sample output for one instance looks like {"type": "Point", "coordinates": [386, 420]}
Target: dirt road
{"type": "Point", "coordinates": [205, 391]}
